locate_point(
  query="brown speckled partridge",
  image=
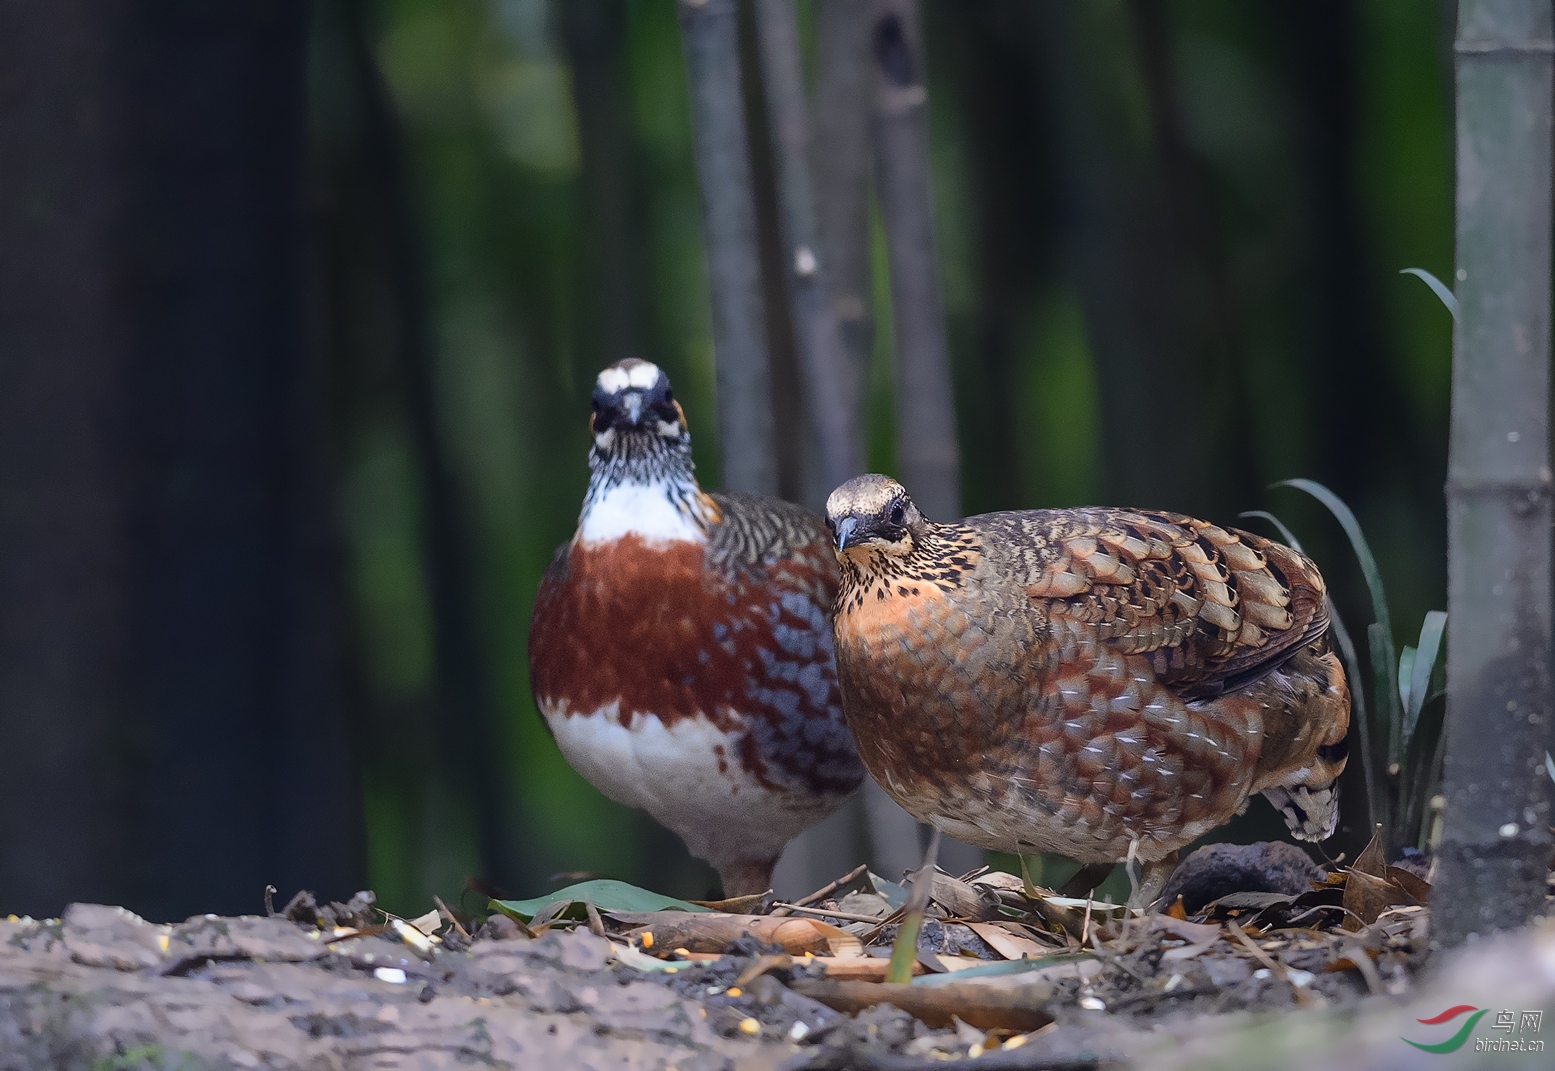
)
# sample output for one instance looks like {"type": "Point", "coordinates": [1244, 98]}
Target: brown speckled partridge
{"type": "Point", "coordinates": [1108, 684]}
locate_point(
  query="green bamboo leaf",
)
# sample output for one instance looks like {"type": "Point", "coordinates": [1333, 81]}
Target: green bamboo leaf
{"type": "Point", "coordinates": [1014, 966]}
{"type": "Point", "coordinates": [1431, 632]}
{"type": "Point", "coordinates": [1438, 287]}
{"type": "Point", "coordinates": [605, 894]}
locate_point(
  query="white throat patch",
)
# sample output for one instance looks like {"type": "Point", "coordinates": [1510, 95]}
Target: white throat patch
{"type": "Point", "coordinates": [650, 511]}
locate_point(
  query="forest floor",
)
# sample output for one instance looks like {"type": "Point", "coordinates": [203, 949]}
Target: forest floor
{"type": "Point", "coordinates": [1254, 980]}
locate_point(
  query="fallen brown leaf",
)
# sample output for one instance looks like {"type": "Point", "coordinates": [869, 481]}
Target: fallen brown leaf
{"type": "Point", "coordinates": [1367, 896]}
{"type": "Point", "coordinates": [713, 932]}
{"type": "Point", "coordinates": [1007, 940]}
{"type": "Point", "coordinates": [984, 1007]}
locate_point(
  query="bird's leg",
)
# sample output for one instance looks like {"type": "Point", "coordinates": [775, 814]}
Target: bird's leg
{"type": "Point", "coordinates": [746, 877]}
{"type": "Point", "coordinates": [1085, 879]}
{"type": "Point", "coordinates": [1152, 882]}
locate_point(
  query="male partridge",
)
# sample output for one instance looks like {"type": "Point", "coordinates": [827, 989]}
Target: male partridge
{"type": "Point", "coordinates": [681, 648]}
{"type": "Point", "coordinates": [1108, 684]}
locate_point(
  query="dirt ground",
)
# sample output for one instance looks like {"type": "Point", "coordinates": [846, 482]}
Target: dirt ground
{"type": "Point", "coordinates": [101, 990]}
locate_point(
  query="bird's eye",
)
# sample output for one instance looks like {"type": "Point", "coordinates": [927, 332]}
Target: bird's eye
{"type": "Point", "coordinates": [669, 395]}
{"type": "Point", "coordinates": [897, 514]}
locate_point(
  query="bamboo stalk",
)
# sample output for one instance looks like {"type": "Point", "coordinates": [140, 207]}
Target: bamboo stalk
{"type": "Point", "coordinates": [830, 388]}
{"type": "Point", "coordinates": [709, 34]}
{"type": "Point", "coordinates": [1495, 845]}
{"type": "Point", "coordinates": [841, 160]}
{"type": "Point", "coordinates": [927, 453]}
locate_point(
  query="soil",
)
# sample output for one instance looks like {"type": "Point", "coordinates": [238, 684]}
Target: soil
{"type": "Point", "coordinates": [103, 990]}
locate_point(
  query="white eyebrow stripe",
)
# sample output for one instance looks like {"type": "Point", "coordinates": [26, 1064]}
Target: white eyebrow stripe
{"type": "Point", "coordinates": [642, 376]}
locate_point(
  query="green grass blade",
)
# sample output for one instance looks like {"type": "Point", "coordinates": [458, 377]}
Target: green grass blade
{"type": "Point", "coordinates": [1279, 526]}
{"type": "Point", "coordinates": [1438, 287]}
{"type": "Point", "coordinates": [1375, 805]}
{"type": "Point", "coordinates": [1406, 674]}
{"type": "Point", "coordinates": [1431, 632]}
{"type": "Point", "coordinates": [1417, 781]}
{"type": "Point", "coordinates": [1363, 555]}
{"type": "Point", "coordinates": [1384, 659]}
{"type": "Point", "coordinates": [1385, 681]}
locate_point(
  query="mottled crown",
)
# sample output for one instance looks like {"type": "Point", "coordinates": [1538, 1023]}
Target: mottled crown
{"type": "Point", "coordinates": [864, 496]}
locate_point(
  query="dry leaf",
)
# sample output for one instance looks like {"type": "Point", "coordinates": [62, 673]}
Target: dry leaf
{"type": "Point", "coordinates": [998, 879]}
{"type": "Point", "coordinates": [962, 900]}
{"type": "Point", "coordinates": [714, 932]}
{"type": "Point", "coordinates": [1005, 940]}
{"type": "Point", "coordinates": [1367, 897]}
{"type": "Point", "coordinates": [985, 1007]}
{"type": "Point", "coordinates": [1371, 861]}
{"type": "Point", "coordinates": [858, 968]}
{"type": "Point", "coordinates": [1413, 884]}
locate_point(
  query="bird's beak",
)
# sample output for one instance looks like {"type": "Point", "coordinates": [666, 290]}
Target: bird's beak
{"type": "Point", "coordinates": [633, 404]}
{"type": "Point", "coordinates": [845, 528]}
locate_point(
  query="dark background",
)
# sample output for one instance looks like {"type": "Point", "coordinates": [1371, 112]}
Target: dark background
{"type": "Point", "coordinates": [300, 305]}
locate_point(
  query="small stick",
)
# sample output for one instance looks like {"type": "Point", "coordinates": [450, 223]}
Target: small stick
{"type": "Point", "coordinates": [1276, 968]}
{"type": "Point", "coordinates": [824, 891]}
{"type": "Point", "coordinates": [905, 951]}
{"type": "Point", "coordinates": [596, 924]}
{"type": "Point", "coordinates": [821, 912]}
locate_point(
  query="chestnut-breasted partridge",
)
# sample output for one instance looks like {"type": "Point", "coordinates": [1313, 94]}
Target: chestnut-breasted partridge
{"type": "Point", "coordinates": [681, 647]}
{"type": "Point", "coordinates": [1108, 684]}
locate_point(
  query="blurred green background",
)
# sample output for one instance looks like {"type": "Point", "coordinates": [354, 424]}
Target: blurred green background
{"type": "Point", "coordinates": [1170, 239]}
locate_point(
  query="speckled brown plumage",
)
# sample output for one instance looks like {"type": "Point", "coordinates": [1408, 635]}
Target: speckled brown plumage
{"type": "Point", "coordinates": [1104, 683]}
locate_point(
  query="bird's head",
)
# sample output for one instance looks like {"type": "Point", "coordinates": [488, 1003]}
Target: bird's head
{"type": "Point", "coordinates": [633, 405]}
{"type": "Point", "coordinates": [873, 514]}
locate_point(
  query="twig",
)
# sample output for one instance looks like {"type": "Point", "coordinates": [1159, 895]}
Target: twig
{"type": "Point", "coordinates": [1276, 968]}
{"type": "Point", "coordinates": [824, 891]}
{"type": "Point", "coordinates": [1357, 955]}
{"type": "Point", "coordinates": [821, 912]}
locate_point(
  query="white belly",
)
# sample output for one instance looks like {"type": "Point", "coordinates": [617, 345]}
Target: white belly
{"type": "Point", "coordinates": [686, 777]}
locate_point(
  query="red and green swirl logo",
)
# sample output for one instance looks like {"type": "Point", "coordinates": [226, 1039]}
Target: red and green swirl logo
{"type": "Point", "coordinates": [1454, 1043]}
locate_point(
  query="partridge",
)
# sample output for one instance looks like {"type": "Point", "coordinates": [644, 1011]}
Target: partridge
{"type": "Point", "coordinates": [1108, 684]}
{"type": "Point", "coordinates": [681, 650]}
